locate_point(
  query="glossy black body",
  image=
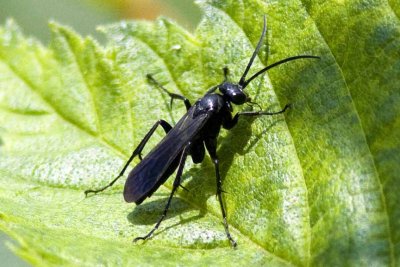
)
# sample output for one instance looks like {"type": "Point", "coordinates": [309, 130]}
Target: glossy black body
{"type": "Point", "coordinates": [200, 126]}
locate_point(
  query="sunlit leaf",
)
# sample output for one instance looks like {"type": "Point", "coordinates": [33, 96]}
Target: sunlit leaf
{"type": "Point", "coordinates": [316, 186]}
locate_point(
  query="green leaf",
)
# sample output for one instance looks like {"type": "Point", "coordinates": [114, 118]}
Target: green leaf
{"type": "Point", "coordinates": [316, 186]}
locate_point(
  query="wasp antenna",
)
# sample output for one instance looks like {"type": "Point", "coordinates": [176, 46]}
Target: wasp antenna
{"type": "Point", "coordinates": [245, 83]}
{"type": "Point", "coordinates": [242, 80]}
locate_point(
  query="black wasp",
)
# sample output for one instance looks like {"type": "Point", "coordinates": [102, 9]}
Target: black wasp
{"type": "Point", "coordinates": [196, 131]}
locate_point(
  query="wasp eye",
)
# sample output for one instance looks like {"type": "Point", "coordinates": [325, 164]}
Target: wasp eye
{"type": "Point", "coordinates": [238, 97]}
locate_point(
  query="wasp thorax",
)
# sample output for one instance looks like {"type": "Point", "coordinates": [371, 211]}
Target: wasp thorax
{"type": "Point", "coordinates": [233, 92]}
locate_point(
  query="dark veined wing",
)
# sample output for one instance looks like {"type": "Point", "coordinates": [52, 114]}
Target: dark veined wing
{"type": "Point", "coordinates": [147, 176]}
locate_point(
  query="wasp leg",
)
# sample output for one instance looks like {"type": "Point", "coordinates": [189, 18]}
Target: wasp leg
{"type": "Point", "coordinates": [137, 152]}
{"type": "Point", "coordinates": [172, 95]}
{"type": "Point", "coordinates": [211, 145]}
{"type": "Point", "coordinates": [175, 186]}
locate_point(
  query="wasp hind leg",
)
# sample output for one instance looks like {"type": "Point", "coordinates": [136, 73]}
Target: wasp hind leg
{"type": "Point", "coordinates": [211, 145]}
{"type": "Point", "coordinates": [137, 152]}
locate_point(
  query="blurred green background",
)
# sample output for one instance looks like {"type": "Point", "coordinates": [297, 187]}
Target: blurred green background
{"type": "Point", "coordinates": [84, 16]}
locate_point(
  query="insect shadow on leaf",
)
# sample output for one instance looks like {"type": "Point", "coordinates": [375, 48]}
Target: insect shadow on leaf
{"type": "Point", "coordinates": [147, 213]}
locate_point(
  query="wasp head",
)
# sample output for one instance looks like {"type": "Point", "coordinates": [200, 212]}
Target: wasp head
{"type": "Point", "coordinates": [233, 93]}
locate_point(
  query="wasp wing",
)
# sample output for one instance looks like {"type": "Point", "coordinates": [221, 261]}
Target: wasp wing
{"type": "Point", "coordinates": [163, 159]}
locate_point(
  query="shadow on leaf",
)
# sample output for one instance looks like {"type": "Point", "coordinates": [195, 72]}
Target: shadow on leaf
{"type": "Point", "coordinates": [150, 212]}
